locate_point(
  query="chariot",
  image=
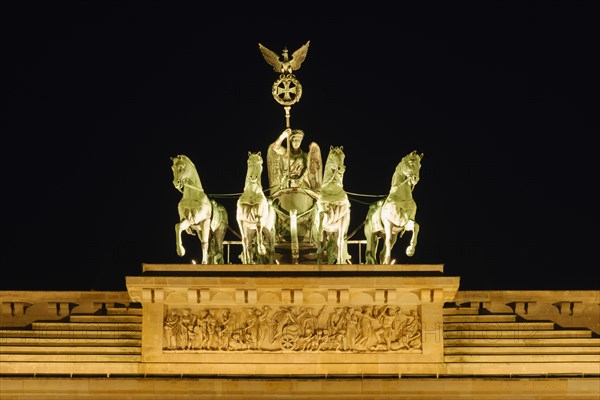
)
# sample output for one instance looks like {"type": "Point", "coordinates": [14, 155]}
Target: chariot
{"type": "Point", "coordinates": [294, 198]}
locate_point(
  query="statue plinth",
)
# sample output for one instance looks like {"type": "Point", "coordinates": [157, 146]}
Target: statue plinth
{"type": "Point", "coordinates": [292, 319]}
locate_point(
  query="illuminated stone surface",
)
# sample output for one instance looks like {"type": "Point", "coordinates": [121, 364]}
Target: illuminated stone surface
{"type": "Point", "coordinates": [490, 344]}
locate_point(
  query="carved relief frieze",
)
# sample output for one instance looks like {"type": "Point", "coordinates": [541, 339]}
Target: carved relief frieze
{"type": "Point", "coordinates": [367, 328]}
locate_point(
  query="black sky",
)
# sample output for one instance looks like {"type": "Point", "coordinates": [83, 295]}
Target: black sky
{"type": "Point", "coordinates": [501, 97]}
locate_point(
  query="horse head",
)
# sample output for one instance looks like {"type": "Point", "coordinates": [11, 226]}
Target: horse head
{"type": "Point", "coordinates": [334, 166]}
{"type": "Point", "coordinates": [184, 172]}
{"type": "Point", "coordinates": [410, 167]}
{"type": "Point", "coordinates": [255, 167]}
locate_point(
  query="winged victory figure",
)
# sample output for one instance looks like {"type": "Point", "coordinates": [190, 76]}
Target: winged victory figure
{"type": "Point", "coordinates": [285, 64]}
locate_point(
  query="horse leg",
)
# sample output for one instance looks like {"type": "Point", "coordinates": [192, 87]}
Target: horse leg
{"type": "Point", "coordinates": [371, 252]}
{"type": "Point", "coordinates": [268, 239]}
{"type": "Point", "coordinates": [340, 245]}
{"type": "Point", "coordinates": [319, 230]}
{"type": "Point", "coordinates": [245, 249]}
{"type": "Point", "coordinates": [272, 244]}
{"type": "Point", "coordinates": [218, 234]}
{"type": "Point", "coordinates": [179, 228]}
{"type": "Point", "coordinates": [294, 235]}
{"type": "Point", "coordinates": [316, 235]}
{"type": "Point", "coordinates": [204, 236]}
{"type": "Point", "coordinates": [382, 255]}
{"type": "Point", "coordinates": [388, 242]}
{"type": "Point", "coordinates": [372, 242]}
{"type": "Point", "coordinates": [342, 251]}
{"type": "Point", "coordinates": [217, 251]}
{"type": "Point", "coordinates": [244, 237]}
{"type": "Point", "coordinates": [319, 242]}
{"type": "Point", "coordinates": [260, 243]}
{"type": "Point", "coordinates": [414, 227]}
{"type": "Point", "coordinates": [330, 240]}
{"type": "Point", "coordinates": [371, 255]}
{"type": "Point", "coordinates": [345, 254]}
{"type": "Point", "coordinates": [271, 233]}
{"type": "Point", "coordinates": [247, 246]}
{"type": "Point", "coordinates": [320, 252]}
{"type": "Point", "coordinates": [382, 252]}
{"type": "Point", "coordinates": [265, 239]}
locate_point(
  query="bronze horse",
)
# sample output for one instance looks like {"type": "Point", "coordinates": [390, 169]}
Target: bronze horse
{"type": "Point", "coordinates": [395, 214]}
{"type": "Point", "coordinates": [256, 217]}
{"type": "Point", "coordinates": [198, 215]}
{"type": "Point", "coordinates": [332, 215]}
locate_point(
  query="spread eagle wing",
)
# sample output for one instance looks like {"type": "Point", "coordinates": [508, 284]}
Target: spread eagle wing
{"type": "Point", "coordinates": [315, 167]}
{"type": "Point", "coordinates": [299, 56]}
{"type": "Point", "coordinates": [271, 58]}
{"type": "Point", "coordinates": [285, 66]}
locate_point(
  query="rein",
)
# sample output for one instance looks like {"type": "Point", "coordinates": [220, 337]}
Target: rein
{"type": "Point", "coordinates": [193, 187]}
{"type": "Point", "coordinates": [405, 181]}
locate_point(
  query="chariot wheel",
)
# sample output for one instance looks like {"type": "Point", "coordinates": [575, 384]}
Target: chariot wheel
{"type": "Point", "coordinates": [288, 341]}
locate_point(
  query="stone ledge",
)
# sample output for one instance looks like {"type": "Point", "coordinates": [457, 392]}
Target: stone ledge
{"type": "Point", "coordinates": [246, 388]}
{"type": "Point", "coordinates": [292, 268]}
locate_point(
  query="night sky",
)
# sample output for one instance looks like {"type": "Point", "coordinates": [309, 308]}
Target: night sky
{"type": "Point", "coordinates": [501, 97]}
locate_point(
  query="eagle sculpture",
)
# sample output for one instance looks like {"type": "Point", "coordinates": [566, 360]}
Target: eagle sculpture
{"type": "Point", "coordinates": [284, 64]}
